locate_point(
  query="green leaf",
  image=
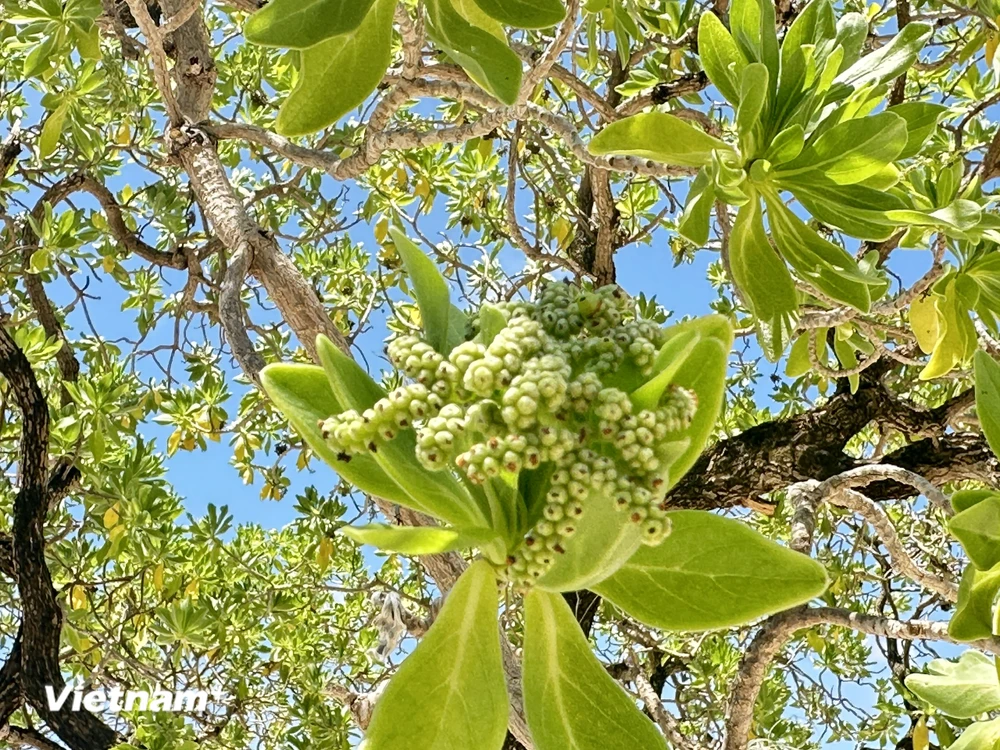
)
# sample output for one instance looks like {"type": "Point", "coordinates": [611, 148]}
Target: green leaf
{"type": "Point", "coordinates": [963, 689]}
{"type": "Point", "coordinates": [814, 25]}
{"type": "Point", "coordinates": [669, 360]}
{"type": "Point", "coordinates": [851, 151]}
{"type": "Point", "coordinates": [491, 322]}
{"type": "Point", "coordinates": [660, 137]}
{"type": "Point", "coordinates": [826, 266]}
{"type": "Point", "coordinates": [436, 493]}
{"type": "Point", "coordinates": [52, 130]}
{"type": "Point", "coordinates": [695, 222]}
{"type": "Point", "coordinates": [300, 24]}
{"type": "Point", "coordinates": [339, 74]}
{"type": "Point", "coordinates": [303, 394]}
{"type": "Point", "coordinates": [431, 292]}
{"type": "Point", "coordinates": [604, 539]}
{"type": "Point", "coordinates": [419, 540]}
{"type": "Point", "coordinates": [799, 361]}
{"type": "Point", "coordinates": [987, 372]}
{"type": "Point", "coordinates": [570, 701]}
{"type": "Point", "coordinates": [753, 100]}
{"type": "Point", "coordinates": [960, 215]}
{"type": "Point", "coordinates": [852, 33]}
{"type": "Point", "coordinates": [973, 618]}
{"type": "Point", "coordinates": [978, 530]}
{"type": "Point", "coordinates": [450, 692]}
{"type": "Point", "coordinates": [38, 59]}
{"type": "Point", "coordinates": [786, 145]}
{"type": "Point", "coordinates": [488, 60]}
{"type": "Point", "coordinates": [983, 735]}
{"type": "Point", "coordinates": [88, 41]}
{"type": "Point", "coordinates": [763, 279]}
{"type": "Point", "coordinates": [720, 57]}
{"type": "Point", "coordinates": [857, 210]}
{"type": "Point", "coordinates": [921, 122]}
{"type": "Point", "coordinates": [962, 500]}
{"type": "Point", "coordinates": [886, 63]}
{"type": "Point", "coordinates": [525, 14]}
{"type": "Point", "coordinates": [711, 572]}
{"type": "Point", "coordinates": [848, 359]}
{"type": "Point", "coordinates": [704, 372]}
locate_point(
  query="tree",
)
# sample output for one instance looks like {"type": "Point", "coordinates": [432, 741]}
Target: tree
{"type": "Point", "coordinates": [215, 215]}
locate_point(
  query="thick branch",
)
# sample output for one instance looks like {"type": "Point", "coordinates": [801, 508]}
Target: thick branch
{"type": "Point", "coordinates": [41, 623]}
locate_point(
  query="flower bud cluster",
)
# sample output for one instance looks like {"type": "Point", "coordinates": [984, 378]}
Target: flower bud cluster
{"type": "Point", "coordinates": [351, 432]}
{"type": "Point", "coordinates": [533, 396]}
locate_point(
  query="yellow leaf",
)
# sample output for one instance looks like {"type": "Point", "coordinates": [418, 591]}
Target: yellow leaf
{"type": "Point", "coordinates": [422, 188]}
{"type": "Point", "coordinates": [324, 553]}
{"type": "Point", "coordinates": [816, 642]}
{"type": "Point", "coordinates": [562, 230]}
{"type": "Point", "coordinates": [111, 517]}
{"type": "Point", "coordinates": [924, 322]}
{"type": "Point", "coordinates": [174, 442]}
{"type": "Point", "coordinates": [158, 577]}
{"type": "Point", "coordinates": [40, 261]}
{"type": "Point", "coordinates": [192, 589]}
{"type": "Point", "coordinates": [78, 597]}
{"type": "Point", "coordinates": [124, 135]}
{"type": "Point", "coordinates": [381, 230]}
{"type": "Point", "coordinates": [116, 533]}
{"type": "Point", "coordinates": [921, 737]}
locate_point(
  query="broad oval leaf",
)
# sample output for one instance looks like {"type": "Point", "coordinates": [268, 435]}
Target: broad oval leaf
{"type": "Point", "coordinates": [488, 60]}
{"type": "Point", "coordinates": [431, 292]}
{"type": "Point", "coordinates": [884, 64]}
{"type": "Point", "coordinates": [450, 692]}
{"type": "Point", "coordinates": [704, 372]}
{"type": "Point", "coordinates": [858, 210]}
{"type": "Point", "coordinates": [303, 394]}
{"type": "Point", "coordinates": [983, 735]}
{"type": "Point", "coordinates": [826, 266]}
{"type": "Point", "coordinates": [924, 322]}
{"type": "Point", "coordinates": [660, 137]}
{"type": "Point", "coordinates": [419, 540]}
{"type": "Point", "coordinates": [338, 74]}
{"type": "Point", "coordinates": [962, 500]}
{"type": "Point", "coordinates": [963, 689]}
{"type": "Point", "coordinates": [921, 121]}
{"type": "Point", "coordinates": [299, 24]}
{"type": "Point", "coordinates": [52, 130]}
{"type": "Point", "coordinates": [957, 339]}
{"type": "Point", "coordinates": [694, 223]}
{"type": "Point", "coordinates": [711, 572]}
{"type": "Point", "coordinates": [605, 538]}
{"type": "Point", "coordinates": [570, 701]}
{"type": "Point", "coordinates": [973, 618]}
{"type": "Point", "coordinates": [978, 529]}
{"type": "Point", "coordinates": [851, 151]}
{"type": "Point", "coordinates": [988, 398]}
{"type": "Point", "coordinates": [525, 14]}
{"type": "Point", "coordinates": [762, 277]}
{"type": "Point", "coordinates": [720, 56]}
